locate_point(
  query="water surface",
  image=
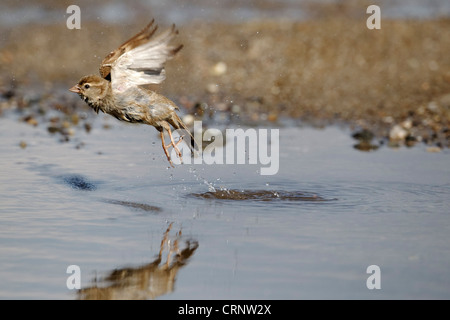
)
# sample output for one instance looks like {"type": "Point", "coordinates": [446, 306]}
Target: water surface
{"type": "Point", "coordinates": [185, 11]}
{"type": "Point", "coordinates": [139, 229]}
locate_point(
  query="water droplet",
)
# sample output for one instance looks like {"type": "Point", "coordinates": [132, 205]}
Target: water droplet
{"type": "Point", "coordinates": [210, 186]}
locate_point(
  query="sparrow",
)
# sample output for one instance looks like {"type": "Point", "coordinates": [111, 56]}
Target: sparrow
{"type": "Point", "coordinates": [118, 90]}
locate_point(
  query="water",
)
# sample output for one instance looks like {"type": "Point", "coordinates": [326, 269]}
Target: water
{"type": "Point", "coordinates": [139, 229]}
{"type": "Point", "coordinates": [185, 11]}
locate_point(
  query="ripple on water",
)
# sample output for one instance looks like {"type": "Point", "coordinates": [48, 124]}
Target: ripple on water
{"type": "Point", "coordinates": [134, 205]}
{"type": "Point", "coordinates": [78, 182]}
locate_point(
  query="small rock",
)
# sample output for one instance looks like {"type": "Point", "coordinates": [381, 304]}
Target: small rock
{"type": "Point", "coordinates": [189, 120]}
{"type": "Point", "coordinates": [397, 133]}
{"type": "Point", "coordinates": [54, 119]}
{"type": "Point", "coordinates": [275, 90]}
{"type": "Point", "coordinates": [30, 120]}
{"type": "Point", "coordinates": [199, 109]}
{"type": "Point", "coordinates": [388, 119]}
{"type": "Point", "coordinates": [365, 146]}
{"type": "Point", "coordinates": [445, 100]}
{"type": "Point", "coordinates": [221, 106]}
{"type": "Point", "coordinates": [219, 69]}
{"type": "Point", "coordinates": [69, 131]}
{"type": "Point", "coordinates": [364, 134]}
{"type": "Point", "coordinates": [212, 88]}
{"type": "Point", "coordinates": [23, 144]}
{"type": "Point", "coordinates": [421, 110]}
{"type": "Point", "coordinates": [434, 149]}
{"type": "Point", "coordinates": [410, 141]}
{"type": "Point", "coordinates": [75, 119]}
{"type": "Point", "coordinates": [8, 94]}
{"type": "Point", "coordinates": [88, 127]}
{"type": "Point", "coordinates": [407, 124]}
{"type": "Point", "coordinates": [433, 106]}
{"type": "Point", "coordinates": [65, 124]}
{"type": "Point", "coordinates": [235, 109]}
{"type": "Point", "coordinates": [53, 129]}
{"type": "Point", "coordinates": [272, 117]}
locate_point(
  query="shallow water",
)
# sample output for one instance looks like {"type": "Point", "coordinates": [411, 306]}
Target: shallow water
{"type": "Point", "coordinates": [139, 229]}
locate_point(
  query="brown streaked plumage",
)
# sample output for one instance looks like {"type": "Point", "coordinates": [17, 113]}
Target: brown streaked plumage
{"type": "Point", "coordinates": [118, 92]}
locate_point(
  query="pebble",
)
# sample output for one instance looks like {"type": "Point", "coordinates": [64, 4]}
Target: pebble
{"type": "Point", "coordinates": [88, 127]}
{"type": "Point", "coordinates": [364, 134]}
{"type": "Point", "coordinates": [219, 69]}
{"type": "Point", "coordinates": [53, 129]}
{"type": "Point", "coordinates": [212, 88]}
{"type": "Point", "coordinates": [388, 119]}
{"type": "Point", "coordinates": [407, 124]}
{"type": "Point", "coordinates": [434, 149]}
{"type": "Point", "coordinates": [397, 133]}
{"type": "Point", "coordinates": [30, 120]}
{"type": "Point", "coordinates": [410, 141]}
{"type": "Point", "coordinates": [433, 106]}
{"type": "Point", "coordinates": [189, 120]}
{"type": "Point", "coordinates": [235, 109]}
{"type": "Point", "coordinates": [365, 146]}
{"type": "Point", "coordinates": [272, 117]}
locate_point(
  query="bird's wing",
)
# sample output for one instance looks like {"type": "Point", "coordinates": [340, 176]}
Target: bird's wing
{"type": "Point", "coordinates": [143, 36]}
{"type": "Point", "coordinates": [140, 60]}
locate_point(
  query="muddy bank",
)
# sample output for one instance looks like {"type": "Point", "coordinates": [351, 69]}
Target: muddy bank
{"type": "Point", "coordinates": [393, 82]}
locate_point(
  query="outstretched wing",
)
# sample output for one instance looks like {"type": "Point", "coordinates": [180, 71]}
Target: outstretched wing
{"type": "Point", "coordinates": [141, 59]}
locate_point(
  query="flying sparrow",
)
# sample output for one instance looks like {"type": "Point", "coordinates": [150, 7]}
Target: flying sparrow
{"type": "Point", "coordinates": [139, 61]}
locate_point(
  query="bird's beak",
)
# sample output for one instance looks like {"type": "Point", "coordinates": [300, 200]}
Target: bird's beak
{"type": "Point", "coordinates": [75, 89]}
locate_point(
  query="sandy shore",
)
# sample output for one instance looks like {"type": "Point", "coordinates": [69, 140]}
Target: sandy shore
{"type": "Point", "coordinates": [393, 82]}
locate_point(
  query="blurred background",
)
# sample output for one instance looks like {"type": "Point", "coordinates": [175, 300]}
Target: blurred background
{"type": "Point", "coordinates": [309, 60]}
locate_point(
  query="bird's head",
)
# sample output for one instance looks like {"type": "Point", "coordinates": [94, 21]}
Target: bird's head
{"type": "Point", "coordinates": [91, 89]}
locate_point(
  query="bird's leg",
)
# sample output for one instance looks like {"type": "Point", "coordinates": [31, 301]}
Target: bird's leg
{"type": "Point", "coordinates": [174, 145]}
{"type": "Point", "coordinates": [164, 240]}
{"type": "Point", "coordinates": [165, 148]}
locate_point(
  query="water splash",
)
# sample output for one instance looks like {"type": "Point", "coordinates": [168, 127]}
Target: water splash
{"type": "Point", "coordinates": [197, 177]}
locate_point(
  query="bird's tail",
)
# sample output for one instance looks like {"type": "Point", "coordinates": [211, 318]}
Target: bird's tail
{"type": "Point", "coordinates": [177, 123]}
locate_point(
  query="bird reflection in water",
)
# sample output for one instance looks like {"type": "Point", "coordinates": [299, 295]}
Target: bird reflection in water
{"type": "Point", "coordinates": [147, 281]}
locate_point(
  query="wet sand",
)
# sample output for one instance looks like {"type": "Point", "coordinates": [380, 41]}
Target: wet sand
{"type": "Point", "coordinates": [391, 85]}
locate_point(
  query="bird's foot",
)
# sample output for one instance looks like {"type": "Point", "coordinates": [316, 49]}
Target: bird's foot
{"type": "Point", "coordinates": [175, 147]}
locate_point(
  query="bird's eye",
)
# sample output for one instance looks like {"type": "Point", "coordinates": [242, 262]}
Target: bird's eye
{"type": "Point", "coordinates": [87, 86]}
